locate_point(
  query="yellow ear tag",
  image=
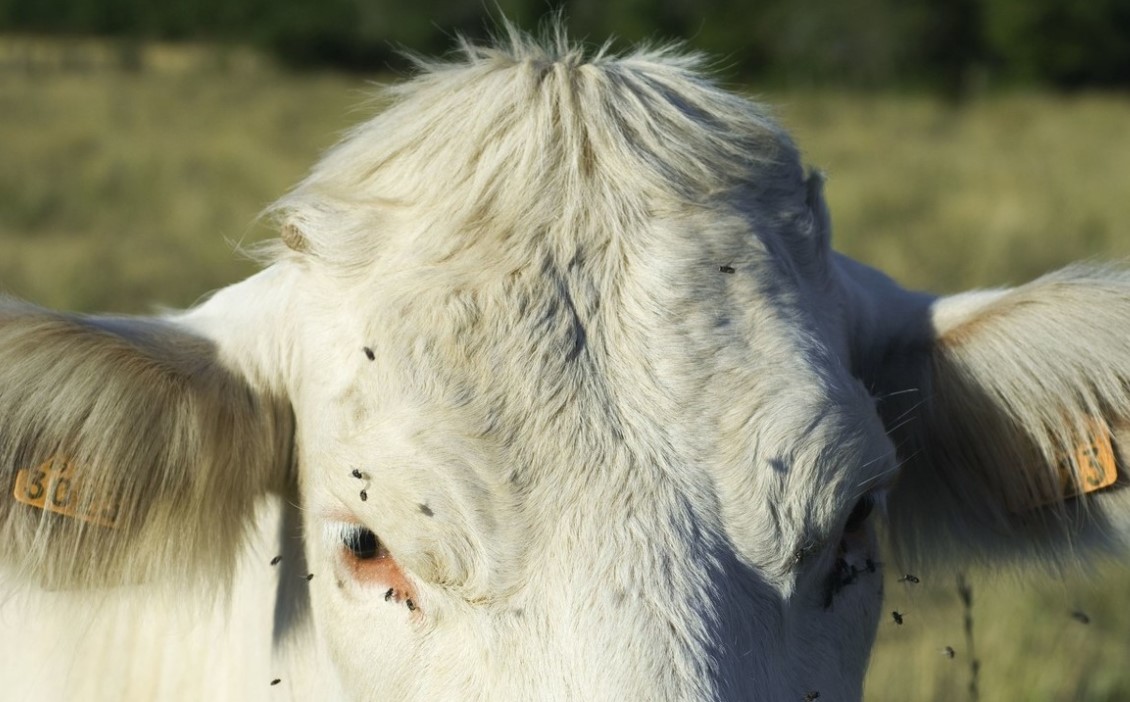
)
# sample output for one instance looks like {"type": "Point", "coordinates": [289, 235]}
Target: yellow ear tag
{"type": "Point", "coordinates": [52, 487]}
{"type": "Point", "coordinates": [1098, 468]}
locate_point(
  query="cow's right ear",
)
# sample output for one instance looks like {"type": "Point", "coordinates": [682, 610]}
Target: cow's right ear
{"type": "Point", "coordinates": [135, 449]}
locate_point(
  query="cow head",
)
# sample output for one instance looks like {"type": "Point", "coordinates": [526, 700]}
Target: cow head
{"type": "Point", "coordinates": [572, 400]}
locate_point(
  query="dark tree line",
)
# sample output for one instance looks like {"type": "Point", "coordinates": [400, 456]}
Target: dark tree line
{"type": "Point", "coordinates": [948, 44]}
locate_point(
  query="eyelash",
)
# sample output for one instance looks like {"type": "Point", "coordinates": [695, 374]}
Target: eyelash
{"type": "Point", "coordinates": [359, 542]}
{"type": "Point", "coordinates": [363, 543]}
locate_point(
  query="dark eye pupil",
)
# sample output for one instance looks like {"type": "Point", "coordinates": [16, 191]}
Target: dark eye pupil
{"type": "Point", "coordinates": [859, 514]}
{"type": "Point", "coordinates": [362, 543]}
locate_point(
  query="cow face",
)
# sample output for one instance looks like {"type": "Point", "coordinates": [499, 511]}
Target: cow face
{"type": "Point", "coordinates": [567, 397]}
{"type": "Point", "coordinates": [574, 421]}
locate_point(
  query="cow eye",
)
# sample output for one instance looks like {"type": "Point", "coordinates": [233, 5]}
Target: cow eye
{"type": "Point", "coordinates": [362, 543]}
{"type": "Point", "coordinates": [859, 514]}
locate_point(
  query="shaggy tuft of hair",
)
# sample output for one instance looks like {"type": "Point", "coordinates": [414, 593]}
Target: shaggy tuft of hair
{"type": "Point", "coordinates": [530, 137]}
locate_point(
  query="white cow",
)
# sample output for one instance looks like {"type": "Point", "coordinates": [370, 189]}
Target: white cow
{"type": "Point", "coordinates": [556, 391]}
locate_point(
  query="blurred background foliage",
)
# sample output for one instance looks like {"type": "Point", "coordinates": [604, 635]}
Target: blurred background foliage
{"type": "Point", "coordinates": [952, 45]}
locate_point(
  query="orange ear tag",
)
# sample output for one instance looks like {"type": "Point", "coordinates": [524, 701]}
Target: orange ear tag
{"type": "Point", "coordinates": [52, 487]}
{"type": "Point", "coordinates": [1098, 469]}
{"type": "Point", "coordinates": [1097, 466]}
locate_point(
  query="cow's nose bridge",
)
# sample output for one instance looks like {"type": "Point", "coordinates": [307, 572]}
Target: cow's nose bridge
{"type": "Point", "coordinates": [668, 619]}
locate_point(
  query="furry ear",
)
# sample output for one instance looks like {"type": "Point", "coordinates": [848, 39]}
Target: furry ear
{"type": "Point", "coordinates": [1011, 410]}
{"type": "Point", "coordinates": [132, 449]}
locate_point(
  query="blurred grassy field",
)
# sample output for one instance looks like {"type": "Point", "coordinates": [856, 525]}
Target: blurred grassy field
{"type": "Point", "coordinates": [121, 189]}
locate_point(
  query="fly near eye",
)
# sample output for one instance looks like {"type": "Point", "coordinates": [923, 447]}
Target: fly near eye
{"type": "Point", "coordinates": [859, 514]}
{"type": "Point", "coordinates": [362, 543]}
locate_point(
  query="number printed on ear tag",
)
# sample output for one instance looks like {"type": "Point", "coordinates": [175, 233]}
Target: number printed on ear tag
{"type": "Point", "coordinates": [52, 487]}
{"type": "Point", "coordinates": [1097, 467]}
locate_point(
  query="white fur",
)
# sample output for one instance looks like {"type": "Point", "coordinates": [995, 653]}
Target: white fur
{"type": "Point", "coordinates": [576, 323]}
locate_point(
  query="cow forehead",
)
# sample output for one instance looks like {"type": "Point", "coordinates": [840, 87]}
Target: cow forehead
{"type": "Point", "coordinates": [500, 395]}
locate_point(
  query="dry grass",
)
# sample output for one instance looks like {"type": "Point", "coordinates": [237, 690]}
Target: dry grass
{"type": "Point", "coordinates": [996, 192]}
{"type": "Point", "coordinates": [119, 189]}
{"type": "Point", "coordinates": [1029, 644]}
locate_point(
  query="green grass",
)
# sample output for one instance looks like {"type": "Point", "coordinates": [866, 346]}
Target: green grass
{"type": "Point", "coordinates": [121, 189]}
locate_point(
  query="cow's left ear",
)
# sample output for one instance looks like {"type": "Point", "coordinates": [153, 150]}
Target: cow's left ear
{"type": "Point", "coordinates": [135, 449]}
{"type": "Point", "coordinates": [1010, 411]}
